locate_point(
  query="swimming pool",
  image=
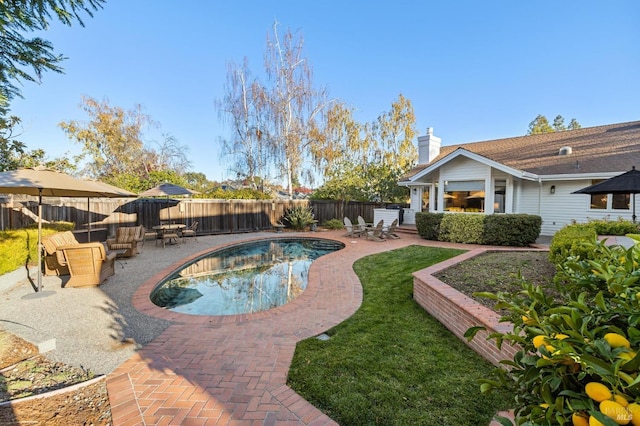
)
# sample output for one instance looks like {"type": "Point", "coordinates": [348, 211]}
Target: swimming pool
{"type": "Point", "coordinates": [244, 278]}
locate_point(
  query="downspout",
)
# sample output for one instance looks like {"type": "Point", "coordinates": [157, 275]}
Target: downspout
{"type": "Point", "coordinates": [539, 196]}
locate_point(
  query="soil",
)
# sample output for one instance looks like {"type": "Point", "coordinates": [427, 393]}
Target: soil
{"type": "Point", "coordinates": [24, 372]}
{"type": "Point", "coordinates": [498, 272]}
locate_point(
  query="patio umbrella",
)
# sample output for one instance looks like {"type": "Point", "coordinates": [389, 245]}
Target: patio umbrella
{"type": "Point", "coordinates": [626, 183]}
{"type": "Point", "coordinates": [166, 190]}
{"type": "Point", "coordinates": [42, 182]}
{"type": "Point", "coordinates": [118, 192]}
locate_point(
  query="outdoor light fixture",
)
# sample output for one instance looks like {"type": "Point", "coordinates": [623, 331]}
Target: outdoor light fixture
{"type": "Point", "coordinates": [415, 190]}
{"type": "Point", "coordinates": [552, 190]}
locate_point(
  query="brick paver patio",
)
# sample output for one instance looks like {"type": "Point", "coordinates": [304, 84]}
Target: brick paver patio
{"type": "Point", "coordinates": [232, 370]}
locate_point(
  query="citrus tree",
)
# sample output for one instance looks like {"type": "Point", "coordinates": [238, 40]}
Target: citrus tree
{"type": "Point", "coordinates": [579, 361]}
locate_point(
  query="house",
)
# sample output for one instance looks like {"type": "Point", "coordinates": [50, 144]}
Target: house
{"type": "Point", "coordinates": [533, 174]}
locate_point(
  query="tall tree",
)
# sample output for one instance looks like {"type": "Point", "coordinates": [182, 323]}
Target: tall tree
{"type": "Point", "coordinates": [112, 139]}
{"type": "Point", "coordinates": [243, 107]}
{"type": "Point", "coordinates": [365, 161]}
{"type": "Point", "coordinates": [26, 59]}
{"type": "Point", "coordinates": [113, 145]}
{"type": "Point", "coordinates": [11, 149]}
{"type": "Point", "coordinates": [293, 104]}
{"type": "Point", "coordinates": [396, 130]}
{"type": "Point", "coordinates": [541, 125]}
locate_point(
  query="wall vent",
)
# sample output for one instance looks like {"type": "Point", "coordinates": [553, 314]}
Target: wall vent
{"type": "Point", "coordinates": [565, 150]}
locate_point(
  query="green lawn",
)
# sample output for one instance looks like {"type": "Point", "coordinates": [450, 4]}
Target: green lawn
{"type": "Point", "coordinates": [391, 363]}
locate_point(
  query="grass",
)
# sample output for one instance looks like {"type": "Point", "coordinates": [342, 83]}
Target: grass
{"type": "Point", "coordinates": [391, 363]}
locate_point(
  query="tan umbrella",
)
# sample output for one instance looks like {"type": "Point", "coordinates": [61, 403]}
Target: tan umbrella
{"type": "Point", "coordinates": [42, 182]}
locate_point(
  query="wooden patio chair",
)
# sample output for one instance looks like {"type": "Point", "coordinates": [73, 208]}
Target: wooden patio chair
{"type": "Point", "coordinates": [391, 232]}
{"type": "Point", "coordinates": [376, 233]}
{"type": "Point", "coordinates": [352, 231]}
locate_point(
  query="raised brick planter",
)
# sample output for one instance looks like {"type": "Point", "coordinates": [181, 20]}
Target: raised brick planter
{"type": "Point", "coordinates": [459, 312]}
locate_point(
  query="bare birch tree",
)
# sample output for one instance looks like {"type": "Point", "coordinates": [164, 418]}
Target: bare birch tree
{"type": "Point", "coordinates": [294, 105]}
{"type": "Point", "coordinates": [244, 108]}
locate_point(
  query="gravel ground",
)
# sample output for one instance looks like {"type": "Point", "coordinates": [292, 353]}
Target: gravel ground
{"type": "Point", "coordinates": [96, 328]}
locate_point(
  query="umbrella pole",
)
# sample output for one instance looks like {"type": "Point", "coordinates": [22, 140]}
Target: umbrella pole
{"type": "Point", "coordinates": [39, 293]}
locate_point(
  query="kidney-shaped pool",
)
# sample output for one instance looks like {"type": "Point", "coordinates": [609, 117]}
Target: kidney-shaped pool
{"type": "Point", "coordinates": [244, 278]}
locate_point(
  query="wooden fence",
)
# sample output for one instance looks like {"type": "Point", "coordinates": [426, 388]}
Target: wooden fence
{"type": "Point", "coordinates": [213, 216]}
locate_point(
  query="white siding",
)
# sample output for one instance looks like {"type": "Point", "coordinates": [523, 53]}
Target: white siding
{"type": "Point", "coordinates": [562, 208]}
{"type": "Point", "coordinates": [463, 168]}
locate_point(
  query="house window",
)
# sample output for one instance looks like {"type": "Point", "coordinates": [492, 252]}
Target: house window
{"type": "Point", "coordinates": [464, 196]}
{"type": "Point", "coordinates": [609, 201]}
{"type": "Point", "coordinates": [425, 200]}
{"type": "Point", "coordinates": [499, 196]}
{"type": "Point", "coordinates": [620, 201]}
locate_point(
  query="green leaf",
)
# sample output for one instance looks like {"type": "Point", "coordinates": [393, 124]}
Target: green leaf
{"type": "Point", "coordinates": [598, 365]}
{"type": "Point", "coordinates": [472, 331]}
{"type": "Point", "coordinates": [503, 421]}
{"type": "Point", "coordinates": [486, 294]}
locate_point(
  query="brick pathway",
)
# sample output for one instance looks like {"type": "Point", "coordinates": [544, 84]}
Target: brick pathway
{"type": "Point", "coordinates": [232, 370]}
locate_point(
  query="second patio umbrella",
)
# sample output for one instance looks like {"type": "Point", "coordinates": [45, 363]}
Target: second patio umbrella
{"type": "Point", "coordinates": [166, 190]}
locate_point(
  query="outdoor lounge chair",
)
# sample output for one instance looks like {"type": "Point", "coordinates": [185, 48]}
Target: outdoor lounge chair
{"type": "Point", "coordinates": [89, 264]}
{"type": "Point", "coordinates": [391, 232]}
{"type": "Point", "coordinates": [362, 223]}
{"type": "Point", "coordinates": [127, 238]}
{"type": "Point", "coordinates": [352, 231]}
{"type": "Point", "coordinates": [376, 233]}
{"type": "Point", "coordinates": [54, 262]}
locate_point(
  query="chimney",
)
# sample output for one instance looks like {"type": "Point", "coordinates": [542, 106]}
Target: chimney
{"type": "Point", "coordinates": [428, 147]}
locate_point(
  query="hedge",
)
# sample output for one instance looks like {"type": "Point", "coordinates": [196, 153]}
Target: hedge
{"type": "Point", "coordinates": [517, 230]}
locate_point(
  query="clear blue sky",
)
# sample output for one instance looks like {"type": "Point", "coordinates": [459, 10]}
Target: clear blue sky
{"type": "Point", "coordinates": [473, 70]}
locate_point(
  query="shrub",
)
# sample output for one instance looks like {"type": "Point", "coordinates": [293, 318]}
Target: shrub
{"type": "Point", "coordinates": [517, 230]}
{"type": "Point", "coordinates": [570, 242]}
{"type": "Point", "coordinates": [461, 228]}
{"type": "Point", "coordinates": [579, 348]}
{"type": "Point", "coordinates": [59, 226]}
{"type": "Point", "coordinates": [19, 247]}
{"type": "Point", "coordinates": [616, 227]}
{"type": "Point", "coordinates": [334, 224]}
{"type": "Point", "coordinates": [505, 230]}
{"type": "Point", "coordinates": [299, 217]}
{"type": "Point", "coordinates": [428, 225]}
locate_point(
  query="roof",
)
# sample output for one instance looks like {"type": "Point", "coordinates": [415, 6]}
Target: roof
{"type": "Point", "coordinates": [600, 149]}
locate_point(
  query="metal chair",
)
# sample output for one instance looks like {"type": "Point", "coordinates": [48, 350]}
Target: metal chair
{"type": "Point", "coordinates": [190, 232]}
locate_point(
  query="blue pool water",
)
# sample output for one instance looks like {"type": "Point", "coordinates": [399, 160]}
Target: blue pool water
{"type": "Point", "coordinates": [244, 278]}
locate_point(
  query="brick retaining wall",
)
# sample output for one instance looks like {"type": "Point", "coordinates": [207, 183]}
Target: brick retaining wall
{"type": "Point", "coordinates": [459, 312]}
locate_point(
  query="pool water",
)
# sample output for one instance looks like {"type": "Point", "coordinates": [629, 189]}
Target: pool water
{"type": "Point", "coordinates": [244, 278]}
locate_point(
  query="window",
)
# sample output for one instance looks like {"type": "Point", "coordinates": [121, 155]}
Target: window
{"type": "Point", "coordinates": [464, 196]}
{"type": "Point", "coordinates": [609, 201]}
{"type": "Point", "coordinates": [499, 196]}
{"type": "Point", "coordinates": [621, 201]}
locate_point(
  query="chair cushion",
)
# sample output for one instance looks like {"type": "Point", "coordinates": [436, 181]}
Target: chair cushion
{"type": "Point", "coordinates": [127, 234]}
{"type": "Point", "coordinates": [52, 242]}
